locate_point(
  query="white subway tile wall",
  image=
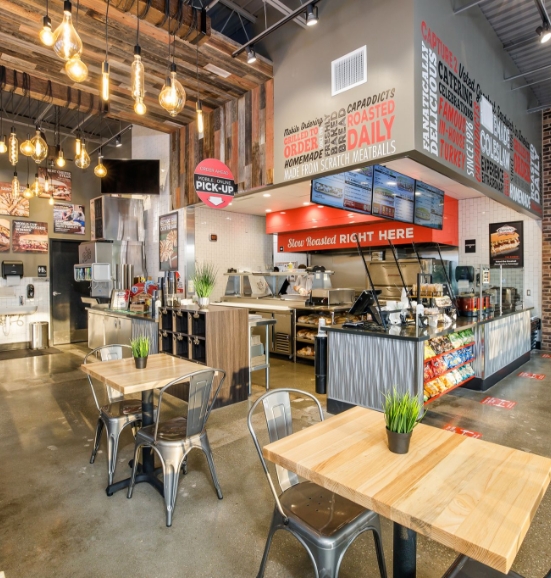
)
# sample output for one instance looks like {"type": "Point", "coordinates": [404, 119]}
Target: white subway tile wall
{"type": "Point", "coordinates": [242, 243]}
{"type": "Point", "coordinates": [475, 215]}
{"type": "Point", "coordinates": [16, 329]}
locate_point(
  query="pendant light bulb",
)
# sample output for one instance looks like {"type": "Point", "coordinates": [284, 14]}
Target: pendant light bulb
{"type": "Point", "coordinates": [78, 146]}
{"type": "Point", "coordinates": [27, 193]}
{"type": "Point", "coordinates": [13, 147]}
{"type": "Point", "coordinates": [26, 147]}
{"type": "Point", "coordinates": [40, 148]}
{"type": "Point", "coordinates": [200, 123]}
{"type": "Point", "coordinates": [100, 170]}
{"type": "Point", "coordinates": [36, 185]}
{"type": "Point", "coordinates": [138, 81]}
{"type": "Point", "coordinates": [60, 159]}
{"type": "Point", "coordinates": [15, 186]}
{"type": "Point", "coordinates": [105, 81]}
{"type": "Point", "coordinates": [76, 70]}
{"type": "Point", "coordinates": [83, 159]}
{"type": "Point", "coordinates": [67, 42]}
{"type": "Point", "coordinates": [46, 183]}
{"type": "Point", "coordinates": [173, 96]}
{"type": "Point", "coordinates": [139, 107]}
{"type": "Point", "coordinates": [46, 34]}
{"type": "Point", "coordinates": [51, 201]}
{"type": "Point", "coordinates": [3, 145]}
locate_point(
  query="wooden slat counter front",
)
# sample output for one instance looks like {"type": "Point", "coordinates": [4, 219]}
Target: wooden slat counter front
{"type": "Point", "coordinates": [475, 497]}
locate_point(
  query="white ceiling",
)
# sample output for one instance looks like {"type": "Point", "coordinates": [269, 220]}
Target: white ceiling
{"type": "Point", "coordinates": [297, 195]}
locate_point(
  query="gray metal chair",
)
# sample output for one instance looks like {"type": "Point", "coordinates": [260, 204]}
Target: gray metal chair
{"type": "Point", "coordinates": [174, 439]}
{"type": "Point", "coordinates": [325, 523]}
{"type": "Point", "coordinates": [465, 567]}
{"type": "Point", "coordinates": [116, 414]}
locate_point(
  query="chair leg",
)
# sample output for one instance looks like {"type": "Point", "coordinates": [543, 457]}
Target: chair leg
{"type": "Point", "coordinates": [377, 536]}
{"type": "Point", "coordinates": [205, 446]}
{"type": "Point", "coordinates": [97, 440]}
{"type": "Point", "coordinates": [137, 449]}
{"type": "Point", "coordinates": [136, 425]}
{"type": "Point", "coordinates": [171, 475]}
{"type": "Point", "coordinates": [274, 526]}
{"type": "Point", "coordinates": [184, 466]}
{"type": "Point", "coordinates": [112, 449]}
{"type": "Point", "coordinates": [326, 562]}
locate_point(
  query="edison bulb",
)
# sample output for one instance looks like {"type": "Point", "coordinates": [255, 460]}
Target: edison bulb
{"type": "Point", "coordinates": [60, 159]}
{"type": "Point", "coordinates": [100, 170]}
{"type": "Point", "coordinates": [46, 35]}
{"type": "Point", "coordinates": [83, 159]}
{"type": "Point", "coordinates": [105, 81]}
{"type": "Point", "coordinates": [67, 42]}
{"type": "Point", "coordinates": [46, 184]}
{"type": "Point", "coordinates": [15, 186]}
{"type": "Point", "coordinates": [26, 147]}
{"type": "Point", "coordinates": [173, 96]}
{"type": "Point", "coordinates": [76, 70]}
{"type": "Point", "coordinates": [51, 201]}
{"type": "Point", "coordinates": [139, 107]}
{"type": "Point", "coordinates": [138, 75]}
{"type": "Point", "coordinates": [78, 145]}
{"type": "Point", "coordinates": [200, 120]}
{"type": "Point", "coordinates": [3, 145]}
{"type": "Point", "coordinates": [36, 185]}
{"type": "Point", "coordinates": [27, 193]}
{"type": "Point", "coordinates": [13, 147]}
{"type": "Point", "coordinates": [40, 148]}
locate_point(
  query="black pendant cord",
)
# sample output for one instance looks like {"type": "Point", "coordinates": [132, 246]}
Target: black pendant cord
{"type": "Point", "coordinates": [107, 30]}
{"type": "Point", "coordinates": [138, 24]}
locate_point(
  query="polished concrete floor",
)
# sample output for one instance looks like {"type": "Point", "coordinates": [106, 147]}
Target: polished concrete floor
{"type": "Point", "coordinates": [55, 519]}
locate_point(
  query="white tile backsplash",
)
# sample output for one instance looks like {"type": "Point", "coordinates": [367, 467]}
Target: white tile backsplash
{"type": "Point", "coordinates": [475, 216]}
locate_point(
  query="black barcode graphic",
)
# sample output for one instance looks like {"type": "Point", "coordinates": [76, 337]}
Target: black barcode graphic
{"type": "Point", "coordinates": [349, 71]}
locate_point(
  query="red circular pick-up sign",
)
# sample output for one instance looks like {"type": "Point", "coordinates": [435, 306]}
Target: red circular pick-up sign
{"type": "Point", "coordinates": [214, 183]}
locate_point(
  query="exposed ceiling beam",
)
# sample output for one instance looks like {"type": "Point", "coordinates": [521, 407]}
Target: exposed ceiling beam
{"type": "Point", "coordinates": [467, 6]}
{"type": "Point", "coordinates": [235, 7]}
{"type": "Point", "coordinates": [526, 73]}
{"type": "Point", "coordinates": [531, 83]}
{"type": "Point", "coordinates": [539, 108]}
{"type": "Point", "coordinates": [280, 7]}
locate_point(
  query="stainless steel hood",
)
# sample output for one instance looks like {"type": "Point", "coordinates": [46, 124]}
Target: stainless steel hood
{"type": "Point", "coordinates": [117, 219]}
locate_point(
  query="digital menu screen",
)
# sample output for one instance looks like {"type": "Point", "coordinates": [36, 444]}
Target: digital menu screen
{"type": "Point", "coordinates": [351, 191]}
{"type": "Point", "coordinates": [393, 195]}
{"type": "Point", "coordinates": [429, 206]}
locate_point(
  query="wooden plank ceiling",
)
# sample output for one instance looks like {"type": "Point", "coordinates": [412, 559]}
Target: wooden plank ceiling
{"type": "Point", "coordinates": [22, 51]}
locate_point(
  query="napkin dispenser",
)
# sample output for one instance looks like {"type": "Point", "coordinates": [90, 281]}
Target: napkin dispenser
{"type": "Point", "coordinates": [12, 269]}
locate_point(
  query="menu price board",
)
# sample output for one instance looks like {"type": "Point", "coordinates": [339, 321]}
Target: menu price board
{"type": "Point", "coordinates": [507, 244]}
{"type": "Point", "coordinates": [393, 195]}
{"type": "Point", "coordinates": [351, 190]}
{"type": "Point", "coordinates": [429, 206]}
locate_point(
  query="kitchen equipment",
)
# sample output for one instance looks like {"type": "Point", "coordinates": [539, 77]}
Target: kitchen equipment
{"type": "Point", "coordinates": [332, 296]}
{"type": "Point", "coordinates": [468, 304]}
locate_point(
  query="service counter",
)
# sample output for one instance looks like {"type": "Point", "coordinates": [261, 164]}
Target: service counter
{"type": "Point", "coordinates": [364, 364]}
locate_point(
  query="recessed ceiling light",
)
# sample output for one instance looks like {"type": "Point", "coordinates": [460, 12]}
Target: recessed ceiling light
{"type": "Point", "coordinates": [352, 221]}
{"type": "Point", "coordinates": [315, 227]}
{"type": "Point", "coordinates": [314, 221]}
{"type": "Point", "coordinates": [283, 213]}
{"type": "Point", "coordinates": [266, 195]}
{"type": "Point", "coordinates": [268, 210]}
{"type": "Point", "coordinates": [305, 204]}
{"type": "Point", "coordinates": [320, 206]}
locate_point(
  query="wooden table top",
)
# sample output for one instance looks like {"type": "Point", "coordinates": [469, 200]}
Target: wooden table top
{"type": "Point", "coordinates": [122, 375]}
{"type": "Point", "coordinates": [475, 497]}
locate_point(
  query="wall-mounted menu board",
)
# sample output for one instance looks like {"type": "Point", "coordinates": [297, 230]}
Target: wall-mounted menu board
{"type": "Point", "coordinates": [393, 195]}
{"type": "Point", "coordinates": [429, 206]}
{"type": "Point", "coordinates": [351, 190]}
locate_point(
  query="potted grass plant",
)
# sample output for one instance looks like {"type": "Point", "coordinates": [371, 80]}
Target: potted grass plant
{"type": "Point", "coordinates": [204, 281]}
{"type": "Point", "coordinates": [402, 413]}
{"type": "Point", "coordinates": [140, 351]}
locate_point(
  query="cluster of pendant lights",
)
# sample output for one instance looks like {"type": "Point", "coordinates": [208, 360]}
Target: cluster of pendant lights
{"type": "Point", "coordinates": [68, 46]}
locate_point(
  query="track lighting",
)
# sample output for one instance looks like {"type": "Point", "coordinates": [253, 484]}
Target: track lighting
{"type": "Point", "coordinates": [100, 170]}
{"type": "Point", "coordinates": [3, 145]}
{"type": "Point", "coordinates": [40, 147]}
{"type": "Point", "coordinates": [105, 81]}
{"type": "Point", "coordinates": [173, 96]}
{"type": "Point", "coordinates": [15, 186]}
{"type": "Point", "coordinates": [83, 159]}
{"type": "Point", "coordinates": [13, 147]}
{"type": "Point", "coordinates": [60, 159]}
{"type": "Point", "coordinates": [118, 141]}
{"type": "Point", "coordinates": [76, 70]}
{"type": "Point", "coordinates": [311, 15]}
{"type": "Point", "coordinates": [251, 55]}
{"type": "Point", "coordinates": [200, 123]}
{"type": "Point", "coordinates": [544, 32]}
{"type": "Point", "coordinates": [67, 42]}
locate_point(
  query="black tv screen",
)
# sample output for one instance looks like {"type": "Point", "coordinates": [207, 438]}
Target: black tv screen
{"type": "Point", "coordinates": [393, 195]}
{"type": "Point", "coordinates": [131, 177]}
{"type": "Point", "coordinates": [429, 206]}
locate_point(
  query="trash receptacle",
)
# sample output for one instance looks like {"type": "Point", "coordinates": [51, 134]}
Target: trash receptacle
{"type": "Point", "coordinates": [39, 335]}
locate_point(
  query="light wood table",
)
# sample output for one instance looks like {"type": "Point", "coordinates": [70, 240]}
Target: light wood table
{"type": "Point", "coordinates": [122, 375]}
{"type": "Point", "coordinates": [475, 497]}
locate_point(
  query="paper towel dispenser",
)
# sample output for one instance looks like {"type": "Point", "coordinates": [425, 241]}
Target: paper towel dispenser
{"type": "Point", "coordinates": [12, 269]}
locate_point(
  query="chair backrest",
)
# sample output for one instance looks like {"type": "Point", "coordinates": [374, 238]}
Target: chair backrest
{"type": "Point", "coordinates": [107, 353]}
{"type": "Point", "coordinates": [200, 400]}
{"type": "Point", "coordinates": [277, 411]}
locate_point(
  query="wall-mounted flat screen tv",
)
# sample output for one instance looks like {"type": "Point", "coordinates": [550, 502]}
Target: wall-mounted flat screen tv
{"type": "Point", "coordinates": [350, 191]}
{"type": "Point", "coordinates": [131, 177]}
{"type": "Point", "coordinates": [393, 195]}
{"type": "Point", "coordinates": [429, 206]}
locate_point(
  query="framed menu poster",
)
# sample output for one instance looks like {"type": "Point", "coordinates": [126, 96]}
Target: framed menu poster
{"type": "Point", "coordinates": [168, 242]}
{"type": "Point", "coordinates": [61, 183]}
{"type": "Point", "coordinates": [29, 237]}
{"type": "Point", "coordinates": [10, 205]}
{"type": "Point", "coordinates": [507, 244]}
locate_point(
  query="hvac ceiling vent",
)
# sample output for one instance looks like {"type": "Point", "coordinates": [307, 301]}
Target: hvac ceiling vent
{"type": "Point", "coordinates": [349, 71]}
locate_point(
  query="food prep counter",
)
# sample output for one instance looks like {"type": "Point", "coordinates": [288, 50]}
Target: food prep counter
{"type": "Point", "coordinates": [364, 364]}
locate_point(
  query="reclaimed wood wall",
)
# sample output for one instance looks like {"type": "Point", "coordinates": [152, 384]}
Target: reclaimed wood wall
{"type": "Point", "coordinates": [239, 133]}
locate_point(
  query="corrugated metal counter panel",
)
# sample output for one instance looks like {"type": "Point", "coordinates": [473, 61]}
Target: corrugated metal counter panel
{"type": "Point", "coordinates": [363, 367]}
{"type": "Point", "coordinates": [503, 340]}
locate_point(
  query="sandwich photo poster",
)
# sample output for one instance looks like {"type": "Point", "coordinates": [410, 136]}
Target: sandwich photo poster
{"type": "Point", "coordinates": [29, 237]}
{"type": "Point", "coordinates": [10, 205]}
{"type": "Point", "coordinates": [61, 184]}
{"type": "Point", "coordinates": [168, 242]}
{"type": "Point", "coordinates": [507, 244]}
{"type": "Point", "coordinates": [5, 234]}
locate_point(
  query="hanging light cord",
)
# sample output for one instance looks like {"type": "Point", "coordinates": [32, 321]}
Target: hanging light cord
{"type": "Point", "coordinates": [138, 25]}
{"type": "Point", "coordinates": [47, 7]}
{"type": "Point", "coordinates": [197, 71]}
{"type": "Point", "coordinates": [107, 30]}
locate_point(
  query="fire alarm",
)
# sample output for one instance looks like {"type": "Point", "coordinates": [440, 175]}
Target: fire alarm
{"type": "Point", "coordinates": [214, 238]}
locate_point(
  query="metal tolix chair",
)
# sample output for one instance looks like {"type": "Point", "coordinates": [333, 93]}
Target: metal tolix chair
{"type": "Point", "coordinates": [465, 567]}
{"type": "Point", "coordinates": [116, 414]}
{"type": "Point", "coordinates": [174, 439]}
{"type": "Point", "coordinates": [325, 523]}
